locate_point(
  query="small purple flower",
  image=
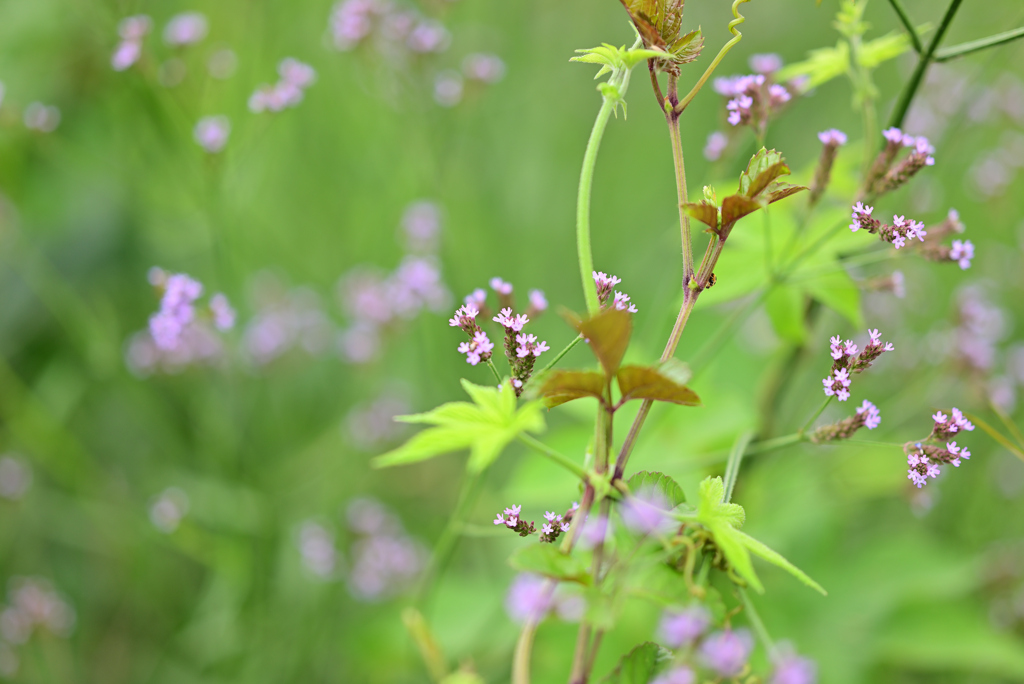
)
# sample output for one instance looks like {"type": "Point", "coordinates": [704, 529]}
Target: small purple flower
{"type": "Point", "coordinates": [547, 529]}
{"type": "Point", "coordinates": [790, 668]}
{"type": "Point", "coordinates": [297, 73]}
{"type": "Point", "coordinates": [680, 628]}
{"type": "Point", "coordinates": [185, 29]}
{"type": "Point", "coordinates": [765, 63]}
{"type": "Point", "coordinates": [428, 36]}
{"type": "Point", "coordinates": [727, 652]}
{"type": "Point", "coordinates": [126, 54]}
{"type": "Point", "coordinates": [212, 133]}
{"type": "Point", "coordinates": [478, 349]}
{"type": "Point", "coordinates": [223, 314]}
{"type": "Point", "coordinates": [962, 252]}
{"type": "Point", "coordinates": [739, 109]}
{"type": "Point", "coordinates": [529, 598]}
{"type": "Point", "coordinates": [477, 298]}
{"type": "Point", "coordinates": [500, 286]}
{"type": "Point", "coordinates": [448, 88]}
{"type": "Point", "coordinates": [483, 67]}
{"type": "Point", "coordinates": [538, 301]}
{"type": "Point", "coordinates": [677, 675]}
{"type": "Point", "coordinates": [833, 137]}
{"type": "Point", "coordinates": [507, 320]}
{"type": "Point", "coordinates": [872, 417]}
{"type": "Point", "coordinates": [778, 94]}
{"type": "Point", "coordinates": [621, 302]}
{"type": "Point", "coordinates": [715, 145]}
{"type": "Point", "coordinates": [893, 135]}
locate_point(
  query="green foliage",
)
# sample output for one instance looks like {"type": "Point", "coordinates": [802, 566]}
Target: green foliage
{"type": "Point", "coordinates": [547, 560]}
{"type": "Point", "coordinates": [786, 307]}
{"type": "Point", "coordinates": [723, 520]}
{"type": "Point", "coordinates": [485, 426]}
{"type": "Point", "coordinates": [639, 665]}
{"type": "Point", "coordinates": [659, 23]}
{"type": "Point", "coordinates": [646, 482]}
{"type": "Point", "coordinates": [611, 58]}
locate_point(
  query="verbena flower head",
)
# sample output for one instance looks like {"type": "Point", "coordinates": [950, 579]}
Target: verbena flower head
{"type": "Point", "coordinates": [500, 286]}
{"type": "Point", "coordinates": [478, 349]}
{"type": "Point", "coordinates": [886, 174]}
{"type": "Point", "coordinates": [212, 133]}
{"type": "Point", "coordinates": [847, 358]}
{"type": "Point", "coordinates": [679, 628]}
{"type": "Point", "coordinates": [790, 668]}
{"type": "Point", "coordinates": [833, 137]}
{"type": "Point", "coordinates": [765, 63]}
{"type": "Point", "coordinates": [223, 314]}
{"type": "Point", "coordinates": [727, 652]}
{"type": "Point", "coordinates": [962, 252]}
{"type": "Point", "coordinates": [297, 73]}
{"type": "Point", "coordinates": [716, 144]}
{"type": "Point", "coordinates": [185, 29]}
{"type": "Point", "coordinates": [538, 302]}
{"type": "Point", "coordinates": [529, 598]}
{"type": "Point", "coordinates": [870, 415]}
{"type": "Point", "coordinates": [483, 67]}
{"type": "Point", "coordinates": [677, 675]}
{"type": "Point", "coordinates": [176, 311]}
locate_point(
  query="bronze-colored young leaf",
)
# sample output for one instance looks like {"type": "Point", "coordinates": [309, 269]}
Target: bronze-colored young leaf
{"type": "Point", "coordinates": [560, 386]}
{"type": "Point", "coordinates": [703, 211]}
{"type": "Point", "coordinates": [735, 207]}
{"type": "Point", "coordinates": [608, 334]}
{"type": "Point", "coordinates": [645, 382]}
{"type": "Point", "coordinates": [766, 177]}
{"type": "Point", "coordinates": [687, 48]}
{"type": "Point", "coordinates": [779, 190]}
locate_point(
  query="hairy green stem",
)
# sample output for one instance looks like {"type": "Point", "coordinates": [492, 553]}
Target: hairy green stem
{"type": "Point", "coordinates": [679, 165]}
{"type": "Point", "coordinates": [494, 370]}
{"type": "Point", "coordinates": [756, 622]}
{"type": "Point", "coordinates": [552, 455]}
{"type": "Point", "coordinates": [910, 90]}
{"type": "Point", "coordinates": [821, 409]}
{"type": "Point", "coordinates": [583, 250]}
{"type": "Point", "coordinates": [962, 49]}
{"type": "Point", "coordinates": [562, 353]}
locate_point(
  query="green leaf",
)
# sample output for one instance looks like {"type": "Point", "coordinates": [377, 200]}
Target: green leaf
{"type": "Point", "coordinates": [785, 307]}
{"type": "Point", "coordinates": [639, 665]}
{"type": "Point", "coordinates": [558, 387]}
{"type": "Point", "coordinates": [485, 427]}
{"type": "Point", "coordinates": [722, 520]}
{"type": "Point", "coordinates": [644, 382]}
{"type": "Point", "coordinates": [547, 560]}
{"type": "Point", "coordinates": [608, 334]}
{"type": "Point", "coordinates": [775, 558]}
{"type": "Point", "coordinates": [763, 168]}
{"type": "Point", "coordinates": [676, 371]}
{"type": "Point", "coordinates": [839, 292]}
{"type": "Point", "coordinates": [645, 482]}
{"type": "Point", "coordinates": [779, 190]}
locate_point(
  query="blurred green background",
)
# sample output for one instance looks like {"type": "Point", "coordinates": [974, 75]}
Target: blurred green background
{"type": "Point", "coordinates": [195, 522]}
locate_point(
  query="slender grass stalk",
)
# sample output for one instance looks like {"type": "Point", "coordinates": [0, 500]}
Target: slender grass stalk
{"type": "Point", "coordinates": [821, 409]}
{"type": "Point", "coordinates": [732, 466]}
{"type": "Point", "coordinates": [962, 49]}
{"type": "Point", "coordinates": [562, 353]}
{"type": "Point", "coordinates": [915, 39]}
{"type": "Point", "coordinates": [553, 456]}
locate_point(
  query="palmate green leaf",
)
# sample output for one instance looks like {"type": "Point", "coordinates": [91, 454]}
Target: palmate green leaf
{"type": "Point", "coordinates": [644, 382]}
{"type": "Point", "coordinates": [547, 560]}
{"type": "Point", "coordinates": [608, 333]}
{"type": "Point", "coordinates": [775, 558]}
{"type": "Point", "coordinates": [723, 521]}
{"type": "Point", "coordinates": [611, 57]}
{"type": "Point", "coordinates": [558, 387]}
{"type": "Point", "coordinates": [639, 665]}
{"type": "Point", "coordinates": [485, 427]}
{"type": "Point", "coordinates": [645, 482]}
{"type": "Point", "coordinates": [824, 64]}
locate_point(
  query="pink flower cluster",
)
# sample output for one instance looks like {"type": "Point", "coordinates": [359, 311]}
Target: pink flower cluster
{"type": "Point", "coordinates": [131, 30]}
{"type": "Point", "coordinates": [385, 559]}
{"type": "Point", "coordinates": [549, 531]}
{"type": "Point", "coordinates": [528, 344]}
{"type": "Point", "coordinates": [477, 349]}
{"type": "Point", "coordinates": [511, 322]}
{"type": "Point", "coordinates": [211, 132]}
{"type": "Point", "coordinates": [898, 233]}
{"type": "Point", "coordinates": [924, 458]}
{"type": "Point", "coordinates": [295, 77]}
{"type": "Point", "coordinates": [869, 415]}
{"type": "Point", "coordinates": [606, 287]}
{"type": "Point", "coordinates": [354, 22]}
{"type": "Point", "coordinates": [886, 174]}
{"type": "Point", "coordinates": [753, 98]}
{"type": "Point", "coordinates": [848, 358]}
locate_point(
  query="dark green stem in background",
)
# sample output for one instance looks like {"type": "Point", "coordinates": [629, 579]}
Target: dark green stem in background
{"type": "Point", "coordinates": [962, 49]}
{"type": "Point", "coordinates": [910, 90]}
{"type": "Point", "coordinates": [907, 24]}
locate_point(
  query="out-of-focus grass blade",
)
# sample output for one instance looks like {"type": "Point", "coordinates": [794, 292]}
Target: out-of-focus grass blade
{"type": "Point", "coordinates": [996, 435]}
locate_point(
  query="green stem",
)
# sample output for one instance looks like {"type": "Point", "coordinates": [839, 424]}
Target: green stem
{"type": "Point", "coordinates": [583, 250]}
{"type": "Point", "coordinates": [810, 421]}
{"type": "Point", "coordinates": [962, 49]}
{"type": "Point", "coordinates": [732, 466]}
{"type": "Point", "coordinates": [737, 37]}
{"type": "Point", "coordinates": [494, 369]}
{"type": "Point", "coordinates": [907, 24]}
{"type": "Point", "coordinates": [773, 444]}
{"type": "Point", "coordinates": [756, 622]}
{"type": "Point", "coordinates": [446, 543]}
{"type": "Point", "coordinates": [910, 90]}
{"type": "Point", "coordinates": [552, 455]}
{"type": "Point", "coordinates": [679, 164]}
{"type": "Point", "coordinates": [524, 647]}
{"type": "Point", "coordinates": [562, 353]}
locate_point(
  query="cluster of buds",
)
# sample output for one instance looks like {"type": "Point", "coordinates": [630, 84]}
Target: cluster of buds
{"type": "Point", "coordinates": [753, 99]}
{"type": "Point", "coordinates": [479, 347]}
{"type": "Point", "coordinates": [902, 230]}
{"type": "Point", "coordinates": [886, 174]}
{"type": "Point", "coordinates": [847, 358]}
{"type": "Point", "coordinates": [550, 531]}
{"type": "Point", "coordinates": [897, 233]}
{"type": "Point", "coordinates": [867, 415]}
{"type": "Point", "coordinates": [521, 349]}
{"type": "Point", "coordinates": [606, 287]}
{"type": "Point", "coordinates": [288, 91]}
{"type": "Point", "coordinates": [831, 141]}
{"type": "Point", "coordinates": [925, 456]}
